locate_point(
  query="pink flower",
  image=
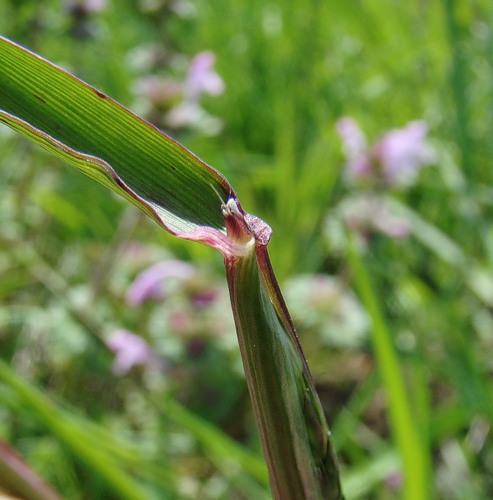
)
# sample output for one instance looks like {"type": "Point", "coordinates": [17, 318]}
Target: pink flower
{"type": "Point", "coordinates": [353, 139]}
{"type": "Point", "coordinates": [130, 350]}
{"type": "Point", "coordinates": [201, 77]}
{"type": "Point", "coordinates": [149, 284]}
{"type": "Point", "coordinates": [395, 158]}
{"type": "Point", "coordinates": [354, 147]}
{"type": "Point", "coordinates": [402, 152]}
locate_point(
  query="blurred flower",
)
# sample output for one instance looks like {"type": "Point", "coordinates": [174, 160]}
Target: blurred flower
{"type": "Point", "coordinates": [354, 146]}
{"type": "Point", "coordinates": [354, 141]}
{"type": "Point", "coordinates": [194, 116]}
{"type": "Point", "coordinates": [198, 308]}
{"type": "Point", "coordinates": [130, 350]}
{"type": "Point", "coordinates": [159, 90]}
{"type": "Point", "coordinates": [149, 284]}
{"type": "Point", "coordinates": [364, 213]}
{"type": "Point", "coordinates": [201, 78]}
{"type": "Point", "coordinates": [323, 303]}
{"type": "Point", "coordinates": [395, 158]}
{"type": "Point", "coordinates": [394, 481]}
{"type": "Point", "coordinates": [402, 152]}
{"type": "Point", "coordinates": [173, 103]}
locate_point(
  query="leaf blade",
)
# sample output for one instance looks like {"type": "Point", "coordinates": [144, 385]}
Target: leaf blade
{"type": "Point", "coordinates": [119, 149]}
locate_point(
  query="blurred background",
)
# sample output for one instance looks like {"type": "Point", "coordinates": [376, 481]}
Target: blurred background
{"type": "Point", "coordinates": [353, 128]}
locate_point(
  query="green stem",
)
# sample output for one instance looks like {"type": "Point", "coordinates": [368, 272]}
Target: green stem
{"type": "Point", "coordinates": [293, 431]}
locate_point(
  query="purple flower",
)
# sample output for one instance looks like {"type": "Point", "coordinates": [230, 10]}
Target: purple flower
{"type": "Point", "coordinates": [402, 152]}
{"type": "Point", "coordinates": [149, 283]}
{"type": "Point", "coordinates": [353, 139]}
{"type": "Point", "coordinates": [130, 350]}
{"type": "Point", "coordinates": [355, 147]}
{"type": "Point", "coordinates": [201, 77]}
{"type": "Point", "coordinates": [395, 158]}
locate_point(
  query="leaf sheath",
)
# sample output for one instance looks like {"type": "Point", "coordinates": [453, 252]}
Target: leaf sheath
{"type": "Point", "coordinates": [292, 427]}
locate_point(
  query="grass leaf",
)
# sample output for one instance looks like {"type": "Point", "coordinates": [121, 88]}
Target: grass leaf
{"type": "Point", "coordinates": [193, 201]}
{"type": "Point", "coordinates": [110, 144]}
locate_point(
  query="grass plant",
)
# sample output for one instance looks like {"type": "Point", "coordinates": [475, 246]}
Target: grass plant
{"type": "Point", "coordinates": [411, 398]}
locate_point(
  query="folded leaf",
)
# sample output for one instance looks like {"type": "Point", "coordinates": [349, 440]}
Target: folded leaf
{"type": "Point", "coordinates": [109, 143]}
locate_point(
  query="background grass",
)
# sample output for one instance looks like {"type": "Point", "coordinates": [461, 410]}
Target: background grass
{"type": "Point", "coordinates": [68, 252]}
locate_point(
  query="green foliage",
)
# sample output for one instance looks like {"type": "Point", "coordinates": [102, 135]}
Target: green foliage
{"type": "Point", "coordinates": [291, 70]}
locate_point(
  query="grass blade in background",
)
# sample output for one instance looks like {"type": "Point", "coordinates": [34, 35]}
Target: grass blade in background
{"type": "Point", "coordinates": [410, 443]}
{"type": "Point", "coordinates": [193, 201]}
{"type": "Point", "coordinates": [93, 456]}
